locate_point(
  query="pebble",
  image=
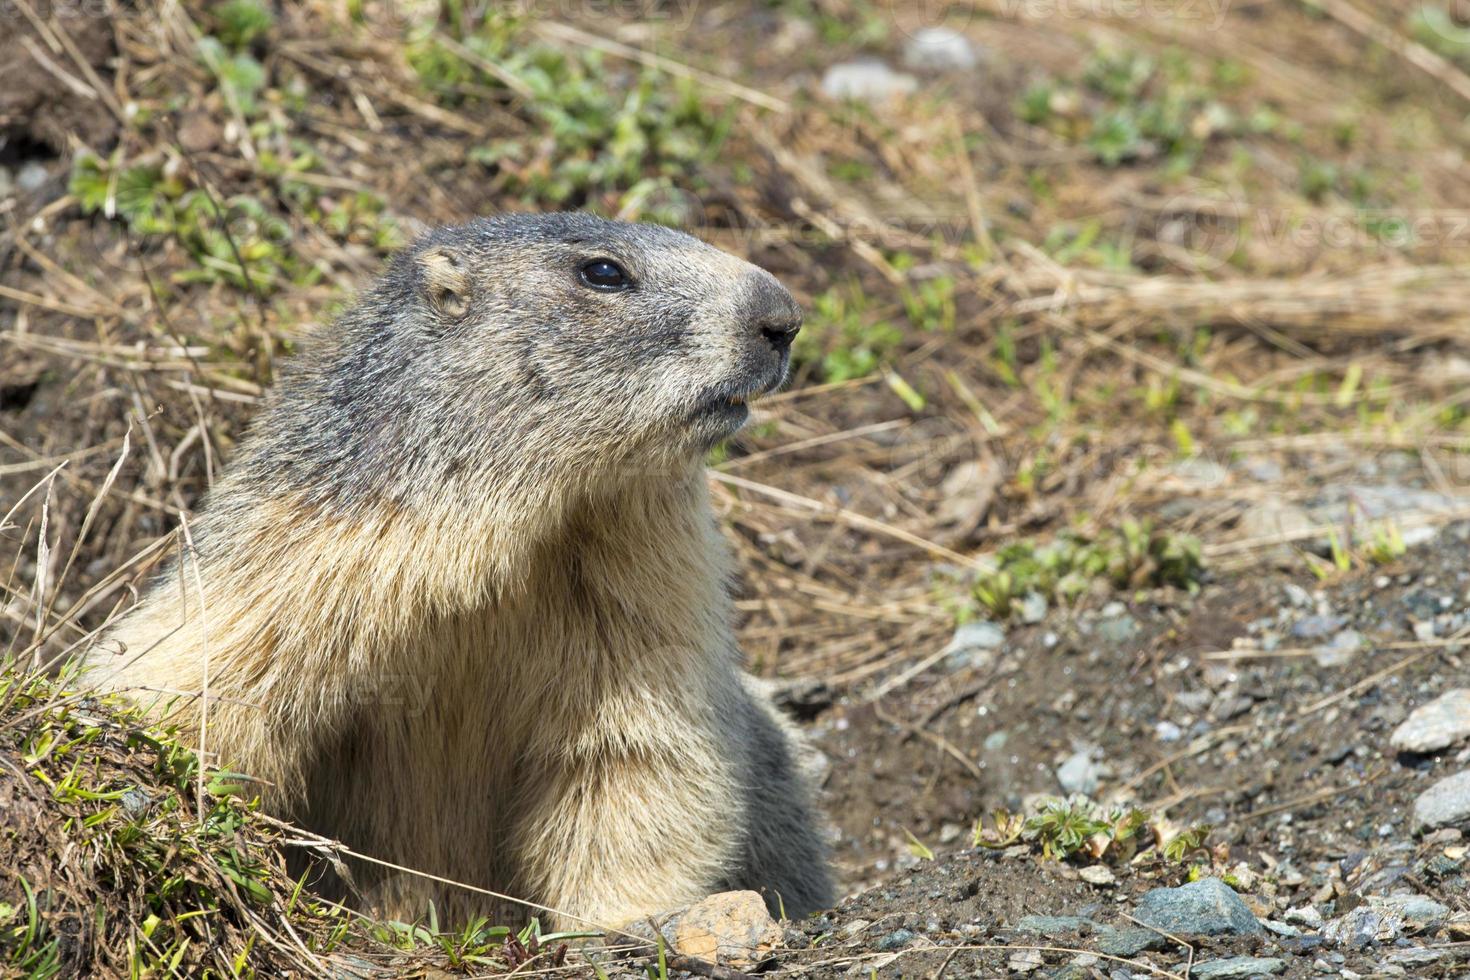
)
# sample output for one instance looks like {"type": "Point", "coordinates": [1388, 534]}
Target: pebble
{"type": "Point", "coordinates": [1417, 911]}
{"type": "Point", "coordinates": [1167, 731]}
{"type": "Point", "coordinates": [1341, 651]}
{"type": "Point", "coordinates": [1098, 874]}
{"type": "Point", "coordinates": [1274, 520]}
{"type": "Point", "coordinates": [1364, 926]}
{"type": "Point", "coordinates": [1237, 966]}
{"type": "Point", "coordinates": [1079, 774]}
{"type": "Point", "coordinates": [729, 928]}
{"type": "Point", "coordinates": [1033, 608]}
{"type": "Point", "coordinates": [1056, 926]}
{"type": "Point", "coordinates": [1025, 961]}
{"type": "Point", "coordinates": [1207, 907]}
{"type": "Point", "coordinates": [1445, 804]}
{"type": "Point", "coordinates": [866, 81]}
{"type": "Point", "coordinates": [1436, 725]}
{"type": "Point", "coordinates": [1415, 956]}
{"type": "Point", "coordinates": [1117, 629]}
{"type": "Point", "coordinates": [897, 939]}
{"type": "Point", "coordinates": [1316, 627]}
{"type": "Point", "coordinates": [974, 644]}
{"type": "Point", "coordinates": [31, 176]}
{"type": "Point", "coordinates": [939, 49]}
{"type": "Point", "coordinates": [1130, 942]}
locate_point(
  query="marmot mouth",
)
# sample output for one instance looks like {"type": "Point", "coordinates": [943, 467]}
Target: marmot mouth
{"type": "Point", "coordinates": [726, 402]}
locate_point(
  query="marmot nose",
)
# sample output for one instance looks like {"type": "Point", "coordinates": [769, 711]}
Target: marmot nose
{"type": "Point", "coordinates": [771, 312]}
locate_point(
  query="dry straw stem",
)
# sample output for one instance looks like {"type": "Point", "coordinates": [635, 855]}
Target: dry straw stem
{"type": "Point", "coordinates": [852, 519]}
{"type": "Point", "coordinates": [1416, 54]}
{"type": "Point", "coordinates": [1422, 301]}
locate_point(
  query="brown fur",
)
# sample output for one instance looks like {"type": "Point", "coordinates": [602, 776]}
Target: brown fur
{"type": "Point", "coordinates": [524, 679]}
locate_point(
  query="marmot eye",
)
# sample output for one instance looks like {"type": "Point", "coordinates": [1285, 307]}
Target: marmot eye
{"type": "Point", "coordinates": [605, 274]}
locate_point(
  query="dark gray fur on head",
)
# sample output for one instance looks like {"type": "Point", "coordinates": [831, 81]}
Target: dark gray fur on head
{"type": "Point", "coordinates": [481, 354]}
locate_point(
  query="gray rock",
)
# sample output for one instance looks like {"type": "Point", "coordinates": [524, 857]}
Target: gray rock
{"type": "Point", "coordinates": [1341, 651]}
{"type": "Point", "coordinates": [1305, 915]}
{"type": "Point", "coordinates": [1277, 520]}
{"type": "Point", "coordinates": [1262, 469]}
{"type": "Point", "coordinates": [983, 635]}
{"type": "Point", "coordinates": [1207, 907]}
{"type": "Point", "coordinates": [1445, 804]}
{"type": "Point", "coordinates": [1033, 608]}
{"type": "Point", "coordinates": [973, 644]}
{"type": "Point", "coordinates": [1118, 629]}
{"type": "Point", "coordinates": [1359, 502]}
{"type": "Point", "coordinates": [1417, 911]}
{"type": "Point", "coordinates": [1079, 774]}
{"type": "Point", "coordinates": [1026, 961]}
{"type": "Point", "coordinates": [1364, 926]}
{"type": "Point", "coordinates": [1436, 725]}
{"type": "Point", "coordinates": [1415, 956]}
{"type": "Point", "coordinates": [939, 49]}
{"type": "Point", "coordinates": [1316, 627]}
{"type": "Point", "coordinates": [1131, 941]}
{"type": "Point", "coordinates": [1238, 966]}
{"type": "Point", "coordinates": [866, 81]}
{"type": "Point", "coordinates": [897, 939]}
{"type": "Point", "coordinates": [31, 176]}
{"type": "Point", "coordinates": [1198, 473]}
{"type": "Point", "coordinates": [1056, 926]}
{"type": "Point", "coordinates": [1127, 941]}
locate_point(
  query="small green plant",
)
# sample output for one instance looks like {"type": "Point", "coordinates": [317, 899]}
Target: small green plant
{"type": "Point", "coordinates": [1132, 555]}
{"type": "Point", "coordinates": [240, 23]}
{"type": "Point", "coordinates": [236, 240]}
{"type": "Point", "coordinates": [634, 144]}
{"type": "Point", "coordinates": [917, 847]}
{"type": "Point", "coordinates": [240, 77]}
{"type": "Point", "coordinates": [1078, 829]}
{"type": "Point", "coordinates": [1127, 106]}
{"type": "Point", "coordinates": [842, 338]}
{"type": "Point", "coordinates": [1385, 544]}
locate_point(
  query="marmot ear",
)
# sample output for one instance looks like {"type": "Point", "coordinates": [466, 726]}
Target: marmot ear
{"type": "Point", "coordinates": [447, 284]}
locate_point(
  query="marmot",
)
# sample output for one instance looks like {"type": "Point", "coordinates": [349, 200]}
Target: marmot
{"type": "Point", "coordinates": [464, 603]}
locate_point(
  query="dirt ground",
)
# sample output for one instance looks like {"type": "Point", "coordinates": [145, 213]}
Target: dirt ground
{"type": "Point", "coordinates": [1286, 758]}
{"type": "Point", "coordinates": [1197, 266]}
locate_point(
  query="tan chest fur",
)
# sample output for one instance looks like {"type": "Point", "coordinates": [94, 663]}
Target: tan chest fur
{"type": "Point", "coordinates": [440, 709]}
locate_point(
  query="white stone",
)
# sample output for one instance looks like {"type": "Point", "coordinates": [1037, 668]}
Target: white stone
{"type": "Point", "coordinates": [939, 49]}
{"type": "Point", "coordinates": [1435, 725]}
{"type": "Point", "coordinates": [866, 81]}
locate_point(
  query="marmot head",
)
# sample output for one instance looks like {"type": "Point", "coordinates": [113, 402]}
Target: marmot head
{"type": "Point", "coordinates": [516, 346]}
